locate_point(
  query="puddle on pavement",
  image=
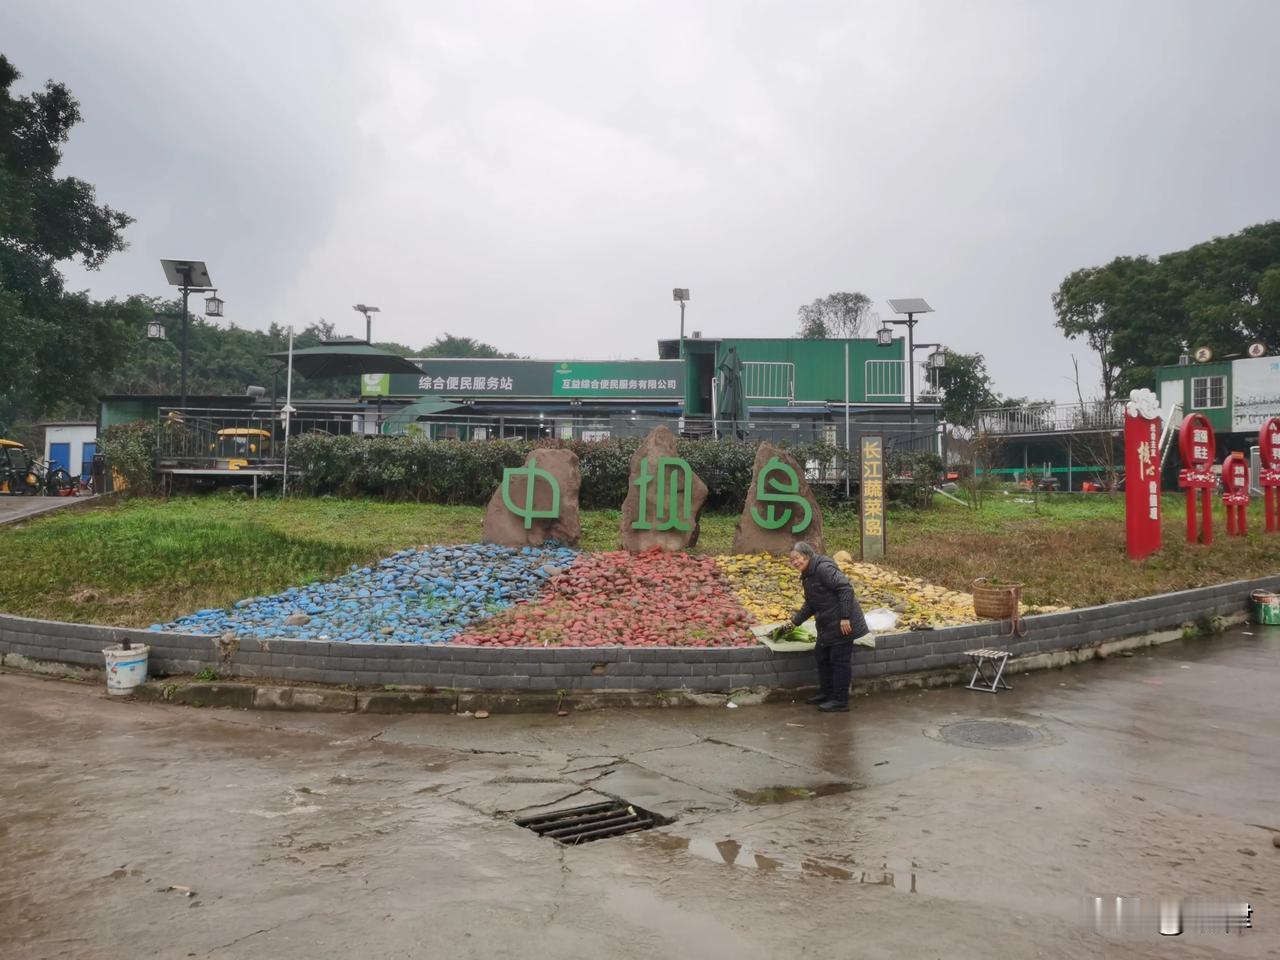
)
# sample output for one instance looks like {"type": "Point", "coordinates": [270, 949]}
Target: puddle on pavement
{"type": "Point", "coordinates": [769, 795]}
{"type": "Point", "coordinates": [734, 854]}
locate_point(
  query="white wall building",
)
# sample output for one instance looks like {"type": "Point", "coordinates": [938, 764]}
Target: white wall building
{"type": "Point", "coordinates": [71, 444]}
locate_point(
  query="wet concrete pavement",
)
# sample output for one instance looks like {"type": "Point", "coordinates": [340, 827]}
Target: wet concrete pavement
{"type": "Point", "coordinates": [17, 509]}
{"type": "Point", "coordinates": [794, 833]}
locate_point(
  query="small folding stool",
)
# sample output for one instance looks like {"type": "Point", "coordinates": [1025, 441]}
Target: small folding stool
{"type": "Point", "coordinates": [985, 660]}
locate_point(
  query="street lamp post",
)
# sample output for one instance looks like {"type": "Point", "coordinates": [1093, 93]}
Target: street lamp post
{"type": "Point", "coordinates": [681, 296]}
{"type": "Point", "coordinates": [368, 320]}
{"type": "Point", "coordinates": [937, 359]}
{"type": "Point", "coordinates": [156, 334]}
{"type": "Point", "coordinates": [910, 308]}
{"type": "Point", "coordinates": [191, 276]}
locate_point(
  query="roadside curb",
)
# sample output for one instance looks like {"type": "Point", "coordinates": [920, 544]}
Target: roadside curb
{"type": "Point", "coordinates": [405, 700]}
{"type": "Point", "coordinates": [390, 678]}
{"type": "Point", "coordinates": [243, 696]}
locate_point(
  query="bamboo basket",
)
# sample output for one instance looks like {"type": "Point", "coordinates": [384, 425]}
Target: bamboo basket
{"type": "Point", "coordinates": [996, 603]}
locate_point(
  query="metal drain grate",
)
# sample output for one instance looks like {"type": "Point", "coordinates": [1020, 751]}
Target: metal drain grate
{"type": "Point", "coordinates": [593, 822]}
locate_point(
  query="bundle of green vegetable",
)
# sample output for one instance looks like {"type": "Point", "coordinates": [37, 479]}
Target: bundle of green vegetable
{"type": "Point", "coordinates": [785, 632]}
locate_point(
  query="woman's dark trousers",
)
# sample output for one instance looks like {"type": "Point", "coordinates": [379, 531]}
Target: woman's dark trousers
{"type": "Point", "coordinates": [835, 670]}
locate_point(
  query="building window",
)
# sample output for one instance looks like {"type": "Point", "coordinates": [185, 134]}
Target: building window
{"type": "Point", "coordinates": [1208, 393]}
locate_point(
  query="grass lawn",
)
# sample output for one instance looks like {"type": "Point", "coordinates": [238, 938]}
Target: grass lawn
{"type": "Point", "coordinates": [1069, 549]}
{"type": "Point", "coordinates": [138, 562]}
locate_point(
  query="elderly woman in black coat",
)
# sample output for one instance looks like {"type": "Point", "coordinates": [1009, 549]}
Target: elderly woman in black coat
{"type": "Point", "coordinates": [829, 599]}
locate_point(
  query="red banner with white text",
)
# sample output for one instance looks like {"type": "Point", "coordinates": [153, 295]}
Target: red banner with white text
{"type": "Point", "coordinates": [1142, 485]}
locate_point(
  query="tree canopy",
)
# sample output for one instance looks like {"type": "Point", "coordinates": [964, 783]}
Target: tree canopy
{"type": "Point", "coordinates": [1138, 313]}
{"type": "Point", "coordinates": [447, 345]}
{"type": "Point", "coordinates": [54, 345]}
{"type": "Point", "coordinates": [220, 359]}
{"type": "Point", "coordinates": [60, 350]}
{"type": "Point", "coordinates": [966, 387]}
{"type": "Point", "coordinates": [225, 359]}
{"type": "Point", "coordinates": [835, 316]}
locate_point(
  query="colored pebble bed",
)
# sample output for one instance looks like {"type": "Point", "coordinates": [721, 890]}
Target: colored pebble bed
{"type": "Point", "coordinates": [651, 599]}
{"type": "Point", "coordinates": [414, 596]}
{"type": "Point", "coordinates": [485, 595]}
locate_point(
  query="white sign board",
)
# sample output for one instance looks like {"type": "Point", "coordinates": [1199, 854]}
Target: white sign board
{"type": "Point", "coordinates": [1171, 392]}
{"type": "Point", "coordinates": [1255, 393]}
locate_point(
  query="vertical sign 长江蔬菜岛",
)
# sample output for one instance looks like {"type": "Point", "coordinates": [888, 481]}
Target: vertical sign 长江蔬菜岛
{"type": "Point", "coordinates": [872, 496]}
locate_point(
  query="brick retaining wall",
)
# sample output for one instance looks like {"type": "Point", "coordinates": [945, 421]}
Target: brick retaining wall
{"type": "Point", "coordinates": [599, 669]}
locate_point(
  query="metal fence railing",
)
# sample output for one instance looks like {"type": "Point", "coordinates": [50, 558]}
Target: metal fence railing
{"type": "Point", "coordinates": [885, 379]}
{"type": "Point", "coordinates": [1097, 416]}
{"type": "Point", "coordinates": [231, 439]}
{"type": "Point", "coordinates": [769, 381]}
{"type": "Point", "coordinates": [238, 438]}
{"type": "Point", "coordinates": [188, 438]}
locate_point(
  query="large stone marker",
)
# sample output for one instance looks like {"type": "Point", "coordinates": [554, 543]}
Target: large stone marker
{"type": "Point", "coordinates": [537, 502]}
{"type": "Point", "coordinates": [664, 497]}
{"type": "Point", "coordinates": [780, 509]}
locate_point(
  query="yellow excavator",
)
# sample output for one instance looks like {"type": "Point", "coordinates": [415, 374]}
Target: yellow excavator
{"type": "Point", "coordinates": [239, 447]}
{"type": "Point", "coordinates": [21, 474]}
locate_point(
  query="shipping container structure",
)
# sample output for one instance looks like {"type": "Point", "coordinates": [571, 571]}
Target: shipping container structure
{"type": "Point", "coordinates": [796, 391]}
{"type": "Point", "coordinates": [1073, 443]}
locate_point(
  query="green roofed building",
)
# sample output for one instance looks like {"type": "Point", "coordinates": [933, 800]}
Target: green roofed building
{"type": "Point", "coordinates": [1237, 396]}
{"type": "Point", "coordinates": [785, 389]}
{"type": "Point", "coordinates": [794, 389]}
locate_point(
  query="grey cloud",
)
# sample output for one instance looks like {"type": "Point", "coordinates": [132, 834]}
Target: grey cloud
{"type": "Point", "coordinates": [540, 175]}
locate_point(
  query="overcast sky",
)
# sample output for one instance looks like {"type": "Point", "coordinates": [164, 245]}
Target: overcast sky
{"type": "Point", "coordinates": [540, 175]}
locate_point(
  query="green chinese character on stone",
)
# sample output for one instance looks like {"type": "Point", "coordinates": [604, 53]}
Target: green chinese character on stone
{"type": "Point", "coordinates": [674, 501]}
{"type": "Point", "coordinates": [531, 473]}
{"type": "Point", "coordinates": [785, 489]}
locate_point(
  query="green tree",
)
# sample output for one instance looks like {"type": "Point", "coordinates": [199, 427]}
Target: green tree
{"type": "Point", "coordinates": [1117, 311]}
{"type": "Point", "coordinates": [447, 345]}
{"type": "Point", "coordinates": [55, 346]}
{"type": "Point", "coordinates": [835, 316]}
{"type": "Point", "coordinates": [966, 388]}
{"type": "Point", "coordinates": [1137, 313]}
{"type": "Point", "coordinates": [222, 359]}
{"type": "Point", "coordinates": [225, 359]}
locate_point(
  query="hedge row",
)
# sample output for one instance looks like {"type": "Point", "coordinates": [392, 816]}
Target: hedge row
{"type": "Point", "coordinates": [467, 472]}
